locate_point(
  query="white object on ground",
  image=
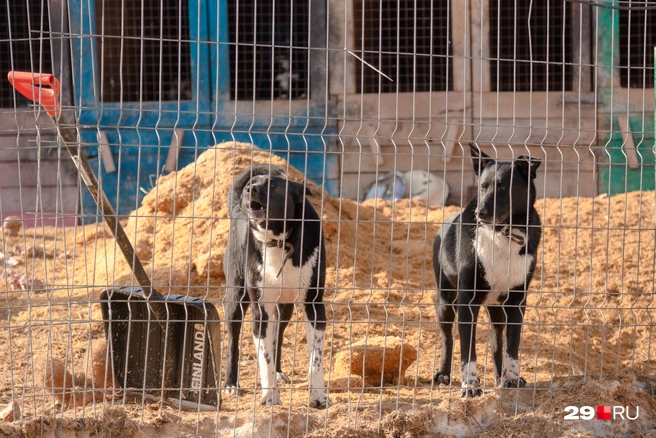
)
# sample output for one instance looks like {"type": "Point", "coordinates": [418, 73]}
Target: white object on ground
{"type": "Point", "coordinates": [422, 184]}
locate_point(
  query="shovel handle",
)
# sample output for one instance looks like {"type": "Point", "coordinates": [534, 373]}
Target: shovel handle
{"type": "Point", "coordinates": [33, 86]}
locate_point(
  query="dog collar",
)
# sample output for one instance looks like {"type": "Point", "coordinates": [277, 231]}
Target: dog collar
{"type": "Point", "coordinates": [282, 243]}
{"type": "Point", "coordinates": [514, 236]}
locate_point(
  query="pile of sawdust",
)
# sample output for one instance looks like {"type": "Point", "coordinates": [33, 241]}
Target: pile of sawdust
{"type": "Point", "coordinates": [181, 230]}
{"type": "Point", "coordinates": [589, 311]}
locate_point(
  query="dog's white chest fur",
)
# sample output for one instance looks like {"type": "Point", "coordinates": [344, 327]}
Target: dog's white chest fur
{"type": "Point", "coordinates": [292, 283]}
{"type": "Point", "coordinates": [504, 266]}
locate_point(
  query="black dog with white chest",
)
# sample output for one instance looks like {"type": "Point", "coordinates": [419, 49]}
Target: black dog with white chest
{"type": "Point", "coordinates": [486, 255]}
{"type": "Point", "coordinates": [275, 258]}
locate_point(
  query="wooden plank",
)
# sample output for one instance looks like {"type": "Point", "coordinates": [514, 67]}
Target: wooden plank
{"type": "Point", "coordinates": [174, 151]}
{"type": "Point", "coordinates": [480, 42]}
{"type": "Point", "coordinates": [106, 152]}
{"type": "Point", "coordinates": [27, 200]}
{"type": "Point", "coordinates": [582, 44]}
{"type": "Point", "coordinates": [414, 107]}
{"type": "Point", "coordinates": [374, 146]}
{"type": "Point", "coordinates": [66, 218]}
{"type": "Point", "coordinates": [25, 121]}
{"type": "Point", "coordinates": [388, 132]}
{"type": "Point", "coordinates": [526, 131]}
{"type": "Point", "coordinates": [341, 36]}
{"type": "Point", "coordinates": [555, 158]}
{"type": "Point", "coordinates": [566, 170]}
{"type": "Point", "coordinates": [454, 134]}
{"type": "Point", "coordinates": [535, 105]}
{"type": "Point", "coordinates": [460, 46]}
{"type": "Point", "coordinates": [403, 154]}
{"type": "Point", "coordinates": [389, 129]}
{"type": "Point", "coordinates": [634, 100]}
{"type": "Point", "coordinates": [569, 183]}
{"type": "Point", "coordinates": [628, 144]}
{"type": "Point", "coordinates": [31, 174]}
{"type": "Point", "coordinates": [403, 158]}
{"type": "Point", "coordinates": [27, 148]}
{"type": "Point", "coordinates": [555, 164]}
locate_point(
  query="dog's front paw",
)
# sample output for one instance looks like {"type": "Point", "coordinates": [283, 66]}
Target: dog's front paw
{"type": "Point", "coordinates": [271, 398]}
{"type": "Point", "coordinates": [471, 392]}
{"type": "Point", "coordinates": [514, 383]}
{"type": "Point", "coordinates": [442, 379]}
{"type": "Point", "coordinates": [471, 388]}
{"type": "Point", "coordinates": [282, 377]}
{"type": "Point", "coordinates": [322, 402]}
{"type": "Point", "coordinates": [232, 389]}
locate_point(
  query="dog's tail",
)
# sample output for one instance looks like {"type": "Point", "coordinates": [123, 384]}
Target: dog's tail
{"type": "Point", "coordinates": [237, 186]}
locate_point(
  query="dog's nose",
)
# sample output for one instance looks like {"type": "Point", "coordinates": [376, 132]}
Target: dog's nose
{"type": "Point", "coordinates": [253, 189]}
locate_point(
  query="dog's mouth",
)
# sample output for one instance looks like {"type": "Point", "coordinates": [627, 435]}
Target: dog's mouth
{"type": "Point", "coordinates": [256, 209]}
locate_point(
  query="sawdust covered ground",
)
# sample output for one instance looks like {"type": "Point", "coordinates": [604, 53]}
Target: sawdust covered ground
{"type": "Point", "coordinates": [589, 314]}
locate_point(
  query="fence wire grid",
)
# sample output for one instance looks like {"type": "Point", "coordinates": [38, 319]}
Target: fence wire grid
{"type": "Point", "coordinates": [197, 116]}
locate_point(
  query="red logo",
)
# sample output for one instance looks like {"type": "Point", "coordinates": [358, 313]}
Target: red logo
{"type": "Point", "coordinates": [603, 412]}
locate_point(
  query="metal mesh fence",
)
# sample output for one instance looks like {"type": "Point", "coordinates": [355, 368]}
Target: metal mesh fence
{"type": "Point", "coordinates": [343, 218]}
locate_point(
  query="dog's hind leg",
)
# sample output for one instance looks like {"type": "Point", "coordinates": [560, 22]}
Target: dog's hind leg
{"type": "Point", "coordinates": [285, 311]}
{"type": "Point", "coordinates": [446, 315]}
{"type": "Point", "coordinates": [467, 316]}
{"type": "Point", "coordinates": [315, 329]}
{"type": "Point", "coordinates": [265, 333]}
{"type": "Point", "coordinates": [510, 374]}
{"type": "Point", "coordinates": [498, 319]}
{"type": "Point", "coordinates": [235, 307]}
{"type": "Point", "coordinates": [444, 298]}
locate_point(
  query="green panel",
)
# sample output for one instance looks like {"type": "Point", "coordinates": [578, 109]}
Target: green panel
{"type": "Point", "coordinates": [615, 176]}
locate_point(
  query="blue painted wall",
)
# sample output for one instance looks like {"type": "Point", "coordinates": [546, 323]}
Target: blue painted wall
{"type": "Point", "coordinates": [139, 133]}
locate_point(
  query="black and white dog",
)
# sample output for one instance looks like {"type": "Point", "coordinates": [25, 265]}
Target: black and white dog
{"type": "Point", "coordinates": [486, 255]}
{"type": "Point", "coordinates": [275, 258]}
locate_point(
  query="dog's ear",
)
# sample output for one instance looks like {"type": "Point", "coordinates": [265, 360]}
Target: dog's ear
{"type": "Point", "coordinates": [297, 191]}
{"type": "Point", "coordinates": [528, 166]}
{"type": "Point", "coordinates": [479, 159]}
